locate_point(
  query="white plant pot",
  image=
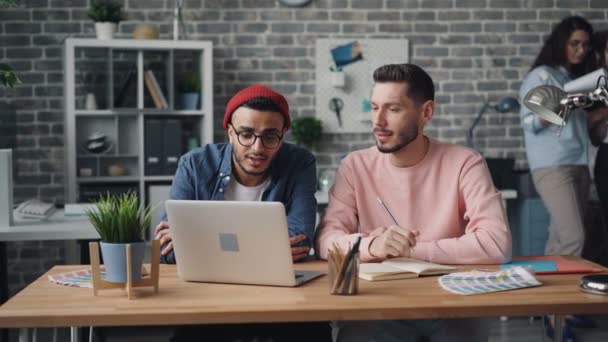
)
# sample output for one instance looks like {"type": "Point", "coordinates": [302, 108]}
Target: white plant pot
{"type": "Point", "coordinates": [105, 30]}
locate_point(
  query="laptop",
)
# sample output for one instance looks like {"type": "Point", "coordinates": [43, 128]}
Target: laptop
{"type": "Point", "coordinates": [237, 242]}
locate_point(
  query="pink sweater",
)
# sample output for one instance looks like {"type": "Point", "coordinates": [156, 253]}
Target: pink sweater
{"type": "Point", "coordinates": [448, 196]}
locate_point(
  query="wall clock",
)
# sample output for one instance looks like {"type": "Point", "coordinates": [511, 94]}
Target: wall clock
{"type": "Point", "coordinates": [295, 3]}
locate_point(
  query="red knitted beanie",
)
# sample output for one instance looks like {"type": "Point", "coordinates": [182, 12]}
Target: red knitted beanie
{"type": "Point", "coordinates": [250, 93]}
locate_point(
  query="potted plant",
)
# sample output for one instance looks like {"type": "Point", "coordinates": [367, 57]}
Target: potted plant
{"type": "Point", "coordinates": [307, 131]}
{"type": "Point", "coordinates": [189, 88]}
{"type": "Point", "coordinates": [106, 14]}
{"type": "Point", "coordinates": [120, 220]}
{"type": "Point", "coordinates": [8, 78]}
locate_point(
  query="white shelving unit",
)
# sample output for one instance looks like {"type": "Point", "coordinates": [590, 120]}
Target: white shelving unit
{"type": "Point", "coordinates": [112, 72]}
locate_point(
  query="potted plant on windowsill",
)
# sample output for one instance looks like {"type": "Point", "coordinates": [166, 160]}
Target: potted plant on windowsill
{"type": "Point", "coordinates": [106, 14]}
{"type": "Point", "coordinates": [120, 220]}
{"type": "Point", "coordinates": [189, 88]}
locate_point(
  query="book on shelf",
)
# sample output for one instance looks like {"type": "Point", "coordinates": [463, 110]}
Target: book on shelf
{"type": "Point", "coordinates": [401, 268]}
{"type": "Point", "coordinates": [126, 86]}
{"type": "Point", "coordinates": [160, 101]}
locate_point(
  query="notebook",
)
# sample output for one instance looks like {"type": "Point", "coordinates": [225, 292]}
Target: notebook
{"type": "Point", "coordinates": [401, 268]}
{"type": "Point", "coordinates": [236, 242]}
{"type": "Point", "coordinates": [550, 264]}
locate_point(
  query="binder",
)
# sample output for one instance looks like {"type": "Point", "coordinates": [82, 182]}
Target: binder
{"type": "Point", "coordinates": [153, 147]}
{"type": "Point", "coordinates": [172, 145]}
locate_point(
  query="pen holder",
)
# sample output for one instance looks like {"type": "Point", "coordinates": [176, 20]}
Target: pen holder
{"type": "Point", "coordinates": [343, 274]}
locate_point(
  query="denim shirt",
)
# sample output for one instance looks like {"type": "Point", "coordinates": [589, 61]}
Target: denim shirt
{"type": "Point", "coordinates": [544, 147]}
{"type": "Point", "coordinates": [204, 174]}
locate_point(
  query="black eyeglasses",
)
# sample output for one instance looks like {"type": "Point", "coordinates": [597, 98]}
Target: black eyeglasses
{"type": "Point", "coordinates": [248, 138]}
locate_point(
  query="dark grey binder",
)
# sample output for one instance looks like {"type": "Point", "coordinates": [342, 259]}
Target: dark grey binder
{"type": "Point", "coordinates": [172, 145]}
{"type": "Point", "coordinates": [153, 147]}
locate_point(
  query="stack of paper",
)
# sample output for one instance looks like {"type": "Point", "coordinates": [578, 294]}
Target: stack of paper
{"type": "Point", "coordinates": [78, 209]}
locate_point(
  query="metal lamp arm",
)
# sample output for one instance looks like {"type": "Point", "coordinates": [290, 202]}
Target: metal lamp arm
{"type": "Point", "coordinates": [475, 123]}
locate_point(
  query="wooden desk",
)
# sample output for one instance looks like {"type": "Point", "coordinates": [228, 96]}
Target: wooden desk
{"type": "Point", "coordinates": [43, 304]}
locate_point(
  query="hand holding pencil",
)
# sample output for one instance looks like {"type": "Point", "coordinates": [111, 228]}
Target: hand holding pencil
{"type": "Point", "coordinates": [394, 241]}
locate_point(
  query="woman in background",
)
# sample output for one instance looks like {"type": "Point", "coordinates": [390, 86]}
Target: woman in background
{"type": "Point", "coordinates": [559, 163]}
{"type": "Point", "coordinates": [598, 131]}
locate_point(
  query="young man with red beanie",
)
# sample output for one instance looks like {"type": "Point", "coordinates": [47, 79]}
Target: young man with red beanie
{"type": "Point", "coordinates": [256, 165]}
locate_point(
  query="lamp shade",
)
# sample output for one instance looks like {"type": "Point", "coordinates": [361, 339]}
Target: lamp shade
{"type": "Point", "coordinates": [545, 101]}
{"type": "Point", "coordinates": [507, 104]}
{"type": "Point", "coordinates": [585, 83]}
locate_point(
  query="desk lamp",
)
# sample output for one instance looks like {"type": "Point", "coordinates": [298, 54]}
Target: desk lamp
{"type": "Point", "coordinates": [555, 105]}
{"type": "Point", "coordinates": [505, 105]}
{"type": "Point", "coordinates": [178, 21]}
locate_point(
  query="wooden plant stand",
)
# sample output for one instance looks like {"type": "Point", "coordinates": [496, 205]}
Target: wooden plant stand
{"type": "Point", "coordinates": [100, 284]}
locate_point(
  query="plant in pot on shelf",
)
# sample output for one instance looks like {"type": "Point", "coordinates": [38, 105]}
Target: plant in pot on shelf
{"type": "Point", "coordinates": [106, 14]}
{"type": "Point", "coordinates": [120, 220]}
{"type": "Point", "coordinates": [307, 131]}
{"type": "Point", "coordinates": [189, 88]}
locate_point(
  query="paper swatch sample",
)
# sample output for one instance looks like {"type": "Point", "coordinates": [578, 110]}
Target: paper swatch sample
{"type": "Point", "coordinates": [79, 278]}
{"type": "Point", "coordinates": [476, 282]}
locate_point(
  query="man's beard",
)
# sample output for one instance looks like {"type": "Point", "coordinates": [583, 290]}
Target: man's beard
{"type": "Point", "coordinates": [405, 137]}
{"type": "Point", "coordinates": [242, 166]}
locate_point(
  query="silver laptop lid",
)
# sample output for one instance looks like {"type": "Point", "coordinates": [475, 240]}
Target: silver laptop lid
{"type": "Point", "coordinates": [231, 242]}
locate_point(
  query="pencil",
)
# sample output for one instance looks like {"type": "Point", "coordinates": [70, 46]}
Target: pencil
{"type": "Point", "coordinates": [388, 211]}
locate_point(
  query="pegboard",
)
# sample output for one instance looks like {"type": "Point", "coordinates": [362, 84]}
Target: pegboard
{"type": "Point", "coordinates": [357, 81]}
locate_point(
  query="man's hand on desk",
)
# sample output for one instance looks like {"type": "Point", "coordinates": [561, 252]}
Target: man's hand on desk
{"type": "Point", "coordinates": [298, 253]}
{"type": "Point", "coordinates": [393, 241]}
{"type": "Point", "coordinates": [164, 235]}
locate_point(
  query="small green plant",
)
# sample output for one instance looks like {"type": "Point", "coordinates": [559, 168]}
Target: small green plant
{"type": "Point", "coordinates": [8, 78]}
{"type": "Point", "coordinates": [8, 3]}
{"type": "Point", "coordinates": [189, 83]}
{"type": "Point", "coordinates": [120, 218]}
{"type": "Point", "coordinates": [307, 131]}
{"type": "Point", "coordinates": [106, 11]}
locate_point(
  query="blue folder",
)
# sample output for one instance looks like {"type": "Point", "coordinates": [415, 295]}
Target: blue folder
{"type": "Point", "coordinates": [537, 265]}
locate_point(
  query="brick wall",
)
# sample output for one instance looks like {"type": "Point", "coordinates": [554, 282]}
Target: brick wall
{"type": "Point", "coordinates": [476, 50]}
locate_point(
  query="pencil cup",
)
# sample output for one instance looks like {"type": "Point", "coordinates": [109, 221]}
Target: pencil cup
{"type": "Point", "coordinates": [343, 276]}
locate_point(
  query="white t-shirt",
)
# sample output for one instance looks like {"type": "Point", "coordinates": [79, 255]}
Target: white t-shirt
{"type": "Point", "coordinates": [236, 191]}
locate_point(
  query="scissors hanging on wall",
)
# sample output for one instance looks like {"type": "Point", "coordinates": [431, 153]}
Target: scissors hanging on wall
{"type": "Point", "coordinates": [335, 105]}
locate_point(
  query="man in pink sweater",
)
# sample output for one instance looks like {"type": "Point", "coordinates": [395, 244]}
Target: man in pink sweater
{"type": "Point", "coordinates": [441, 203]}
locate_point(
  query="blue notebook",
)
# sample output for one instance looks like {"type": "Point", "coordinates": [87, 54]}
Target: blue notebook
{"type": "Point", "coordinates": [537, 265]}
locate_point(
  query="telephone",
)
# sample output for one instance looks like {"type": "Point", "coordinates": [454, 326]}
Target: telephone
{"type": "Point", "coordinates": [34, 209]}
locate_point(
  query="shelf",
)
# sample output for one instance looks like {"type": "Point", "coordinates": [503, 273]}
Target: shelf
{"type": "Point", "coordinates": [108, 112]}
{"type": "Point", "coordinates": [107, 179]}
{"type": "Point", "coordinates": [107, 156]}
{"type": "Point", "coordinates": [180, 112]}
{"type": "Point", "coordinates": [114, 72]}
{"type": "Point", "coordinates": [158, 178]}
{"type": "Point", "coordinates": [138, 44]}
{"type": "Point", "coordinates": [137, 111]}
